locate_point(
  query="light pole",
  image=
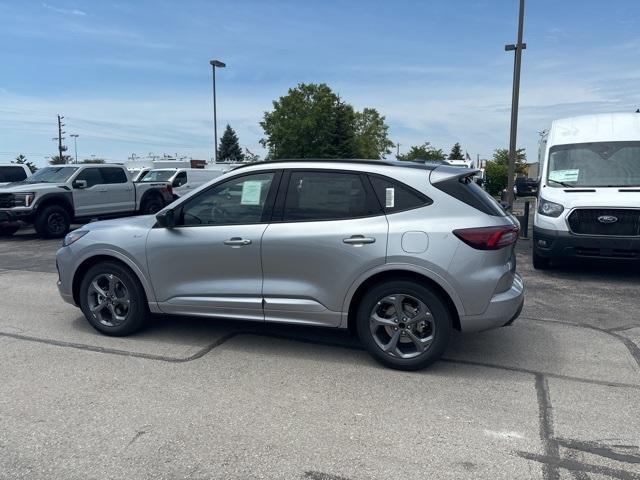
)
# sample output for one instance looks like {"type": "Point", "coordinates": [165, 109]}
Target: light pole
{"type": "Point", "coordinates": [75, 144]}
{"type": "Point", "coordinates": [214, 64]}
{"type": "Point", "coordinates": [517, 63]}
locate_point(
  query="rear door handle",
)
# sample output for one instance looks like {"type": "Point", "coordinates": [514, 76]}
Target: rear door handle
{"type": "Point", "coordinates": [358, 240]}
{"type": "Point", "coordinates": [236, 242]}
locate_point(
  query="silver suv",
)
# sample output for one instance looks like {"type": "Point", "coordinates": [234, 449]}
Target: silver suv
{"type": "Point", "coordinates": [400, 253]}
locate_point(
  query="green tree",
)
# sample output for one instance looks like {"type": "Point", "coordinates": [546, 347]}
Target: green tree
{"type": "Point", "coordinates": [501, 156]}
{"type": "Point", "coordinates": [424, 152]}
{"type": "Point", "coordinates": [22, 160]}
{"type": "Point", "coordinates": [456, 152]}
{"type": "Point", "coordinates": [250, 157]}
{"type": "Point", "coordinates": [311, 121]}
{"type": "Point", "coordinates": [496, 177]}
{"type": "Point", "coordinates": [372, 134]}
{"type": "Point", "coordinates": [229, 149]}
{"type": "Point", "coordinates": [56, 160]}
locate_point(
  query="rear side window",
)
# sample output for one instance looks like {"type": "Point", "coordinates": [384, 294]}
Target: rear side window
{"type": "Point", "coordinates": [327, 196]}
{"type": "Point", "coordinates": [12, 174]}
{"type": "Point", "coordinates": [113, 175]}
{"type": "Point", "coordinates": [395, 196]}
{"type": "Point", "coordinates": [92, 176]}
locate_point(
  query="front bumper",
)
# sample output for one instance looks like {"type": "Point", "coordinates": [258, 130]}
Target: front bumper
{"type": "Point", "coordinates": [554, 244]}
{"type": "Point", "coordinates": [14, 215]}
{"type": "Point", "coordinates": [64, 260]}
{"type": "Point", "coordinates": [503, 309]}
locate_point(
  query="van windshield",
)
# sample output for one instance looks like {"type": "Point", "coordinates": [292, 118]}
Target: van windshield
{"type": "Point", "coordinates": [158, 176]}
{"type": "Point", "coordinates": [597, 164]}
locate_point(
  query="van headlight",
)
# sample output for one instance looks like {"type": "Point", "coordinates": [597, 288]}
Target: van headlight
{"type": "Point", "coordinates": [549, 209]}
{"type": "Point", "coordinates": [23, 199]}
{"type": "Point", "coordinates": [73, 237]}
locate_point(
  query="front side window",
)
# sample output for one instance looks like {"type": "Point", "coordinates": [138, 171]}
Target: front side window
{"type": "Point", "coordinates": [327, 196]}
{"type": "Point", "coordinates": [92, 176]}
{"type": "Point", "coordinates": [237, 201]}
{"type": "Point", "coordinates": [597, 164]}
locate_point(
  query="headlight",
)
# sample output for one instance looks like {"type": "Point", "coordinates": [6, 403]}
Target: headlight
{"type": "Point", "coordinates": [550, 209]}
{"type": "Point", "coordinates": [73, 237]}
{"type": "Point", "coordinates": [23, 199]}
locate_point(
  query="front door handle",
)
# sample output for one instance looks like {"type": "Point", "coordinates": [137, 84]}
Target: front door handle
{"type": "Point", "coordinates": [236, 242]}
{"type": "Point", "coordinates": [358, 240]}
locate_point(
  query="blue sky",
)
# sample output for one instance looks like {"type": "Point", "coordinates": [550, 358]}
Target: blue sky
{"type": "Point", "coordinates": [133, 76]}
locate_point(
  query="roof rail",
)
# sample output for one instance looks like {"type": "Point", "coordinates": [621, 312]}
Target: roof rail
{"type": "Point", "coordinates": [392, 163]}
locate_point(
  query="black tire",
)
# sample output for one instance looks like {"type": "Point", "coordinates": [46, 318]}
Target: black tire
{"type": "Point", "coordinates": [152, 205]}
{"type": "Point", "coordinates": [540, 262]}
{"type": "Point", "coordinates": [138, 310]}
{"type": "Point", "coordinates": [439, 324]}
{"type": "Point", "coordinates": [52, 222]}
{"type": "Point", "coordinates": [9, 229]}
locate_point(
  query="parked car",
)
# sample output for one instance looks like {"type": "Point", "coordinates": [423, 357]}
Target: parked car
{"type": "Point", "coordinates": [53, 197]}
{"type": "Point", "coordinates": [13, 172]}
{"type": "Point", "coordinates": [589, 197]}
{"type": "Point", "coordinates": [526, 187]}
{"type": "Point", "coordinates": [183, 180]}
{"type": "Point", "coordinates": [400, 253]}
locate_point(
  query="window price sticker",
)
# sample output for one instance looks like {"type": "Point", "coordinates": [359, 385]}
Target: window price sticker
{"type": "Point", "coordinates": [390, 197]}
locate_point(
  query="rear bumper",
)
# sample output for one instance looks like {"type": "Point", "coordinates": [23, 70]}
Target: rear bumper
{"type": "Point", "coordinates": [554, 244]}
{"type": "Point", "coordinates": [503, 309]}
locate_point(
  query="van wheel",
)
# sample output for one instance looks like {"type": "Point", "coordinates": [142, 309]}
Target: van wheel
{"type": "Point", "coordinates": [404, 325]}
{"type": "Point", "coordinates": [52, 222]}
{"type": "Point", "coordinates": [539, 262]}
{"type": "Point", "coordinates": [152, 206]}
{"type": "Point", "coordinates": [9, 229]}
{"type": "Point", "coordinates": [113, 300]}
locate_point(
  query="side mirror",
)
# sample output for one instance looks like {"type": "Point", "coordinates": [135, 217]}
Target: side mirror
{"type": "Point", "coordinates": [166, 218]}
{"type": "Point", "coordinates": [80, 184]}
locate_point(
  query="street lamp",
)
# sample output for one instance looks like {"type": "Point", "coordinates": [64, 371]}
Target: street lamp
{"type": "Point", "coordinates": [75, 144]}
{"type": "Point", "coordinates": [214, 64]}
{"type": "Point", "coordinates": [517, 63]}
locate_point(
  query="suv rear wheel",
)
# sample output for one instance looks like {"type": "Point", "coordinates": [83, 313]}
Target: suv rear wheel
{"type": "Point", "coordinates": [152, 205]}
{"type": "Point", "coordinates": [52, 222]}
{"type": "Point", "coordinates": [112, 299]}
{"type": "Point", "coordinates": [404, 325]}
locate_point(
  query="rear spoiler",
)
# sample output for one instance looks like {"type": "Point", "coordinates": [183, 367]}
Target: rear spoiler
{"type": "Point", "coordinates": [446, 173]}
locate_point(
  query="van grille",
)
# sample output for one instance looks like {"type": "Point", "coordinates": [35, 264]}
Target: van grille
{"type": "Point", "coordinates": [593, 221]}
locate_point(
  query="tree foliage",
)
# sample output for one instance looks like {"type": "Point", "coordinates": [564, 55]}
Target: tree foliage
{"type": "Point", "coordinates": [501, 156]}
{"type": "Point", "coordinates": [497, 169]}
{"type": "Point", "coordinates": [311, 121]}
{"type": "Point", "coordinates": [229, 149]}
{"type": "Point", "coordinates": [423, 152]}
{"type": "Point", "coordinates": [250, 157]}
{"type": "Point", "coordinates": [22, 160]}
{"type": "Point", "coordinates": [94, 161]}
{"type": "Point", "coordinates": [456, 152]}
{"type": "Point", "coordinates": [56, 160]}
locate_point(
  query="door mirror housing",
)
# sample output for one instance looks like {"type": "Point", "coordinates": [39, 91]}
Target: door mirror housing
{"type": "Point", "coordinates": [80, 184]}
{"type": "Point", "coordinates": [166, 218]}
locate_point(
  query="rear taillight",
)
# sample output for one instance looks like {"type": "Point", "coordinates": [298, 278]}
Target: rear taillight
{"type": "Point", "coordinates": [488, 238]}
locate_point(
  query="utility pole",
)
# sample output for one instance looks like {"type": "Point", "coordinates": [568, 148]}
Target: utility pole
{"type": "Point", "coordinates": [75, 144]}
{"type": "Point", "coordinates": [61, 147]}
{"type": "Point", "coordinates": [397, 149]}
{"type": "Point", "coordinates": [517, 63]}
{"type": "Point", "coordinates": [214, 64]}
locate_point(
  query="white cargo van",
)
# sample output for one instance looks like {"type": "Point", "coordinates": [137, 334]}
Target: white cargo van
{"type": "Point", "coordinates": [183, 180]}
{"type": "Point", "coordinates": [589, 195]}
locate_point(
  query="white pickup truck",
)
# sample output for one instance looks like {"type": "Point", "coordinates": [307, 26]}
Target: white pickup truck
{"type": "Point", "coordinates": [54, 197]}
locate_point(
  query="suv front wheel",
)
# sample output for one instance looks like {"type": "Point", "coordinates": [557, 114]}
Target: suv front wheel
{"type": "Point", "coordinates": [404, 325]}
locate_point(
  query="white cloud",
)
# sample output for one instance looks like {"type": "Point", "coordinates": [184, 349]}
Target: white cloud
{"type": "Point", "coordinates": [64, 11]}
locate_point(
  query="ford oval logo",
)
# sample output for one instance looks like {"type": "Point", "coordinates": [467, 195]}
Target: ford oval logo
{"type": "Point", "coordinates": [607, 219]}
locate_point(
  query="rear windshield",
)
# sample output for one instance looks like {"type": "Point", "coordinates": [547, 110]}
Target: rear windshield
{"type": "Point", "coordinates": [12, 174]}
{"type": "Point", "coordinates": [468, 191]}
{"type": "Point", "coordinates": [158, 176]}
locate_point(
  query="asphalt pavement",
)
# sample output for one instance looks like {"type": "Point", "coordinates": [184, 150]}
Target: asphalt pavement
{"type": "Point", "coordinates": [555, 396]}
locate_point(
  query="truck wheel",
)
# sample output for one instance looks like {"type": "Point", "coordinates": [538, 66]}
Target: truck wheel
{"type": "Point", "coordinates": [112, 299]}
{"type": "Point", "coordinates": [9, 229]}
{"type": "Point", "coordinates": [152, 206]}
{"type": "Point", "coordinates": [404, 325]}
{"type": "Point", "coordinates": [539, 262]}
{"type": "Point", "coordinates": [52, 222]}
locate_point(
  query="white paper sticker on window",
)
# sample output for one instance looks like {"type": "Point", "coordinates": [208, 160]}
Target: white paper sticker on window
{"type": "Point", "coordinates": [564, 175]}
{"type": "Point", "coordinates": [251, 190]}
{"type": "Point", "coordinates": [390, 197]}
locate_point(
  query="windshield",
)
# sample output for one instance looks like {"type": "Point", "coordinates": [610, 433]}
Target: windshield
{"type": "Point", "coordinates": [52, 175]}
{"type": "Point", "coordinates": [158, 176]}
{"type": "Point", "coordinates": [598, 164]}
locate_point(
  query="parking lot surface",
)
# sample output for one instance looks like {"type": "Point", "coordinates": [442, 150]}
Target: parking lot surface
{"type": "Point", "coordinates": [555, 396]}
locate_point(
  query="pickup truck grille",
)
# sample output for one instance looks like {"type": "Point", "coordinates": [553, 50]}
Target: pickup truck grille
{"type": "Point", "coordinates": [6, 200]}
{"type": "Point", "coordinates": [600, 221]}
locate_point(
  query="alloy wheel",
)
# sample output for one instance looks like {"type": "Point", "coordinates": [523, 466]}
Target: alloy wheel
{"type": "Point", "coordinates": [109, 299]}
